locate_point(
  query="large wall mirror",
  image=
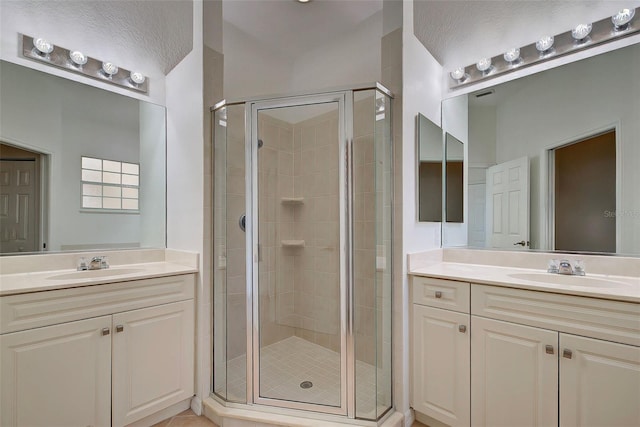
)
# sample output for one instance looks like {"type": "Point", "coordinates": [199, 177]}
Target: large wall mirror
{"type": "Point", "coordinates": [81, 168]}
{"type": "Point", "coordinates": [554, 158]}
{"type": "Point", "coordinates": [430, 170]}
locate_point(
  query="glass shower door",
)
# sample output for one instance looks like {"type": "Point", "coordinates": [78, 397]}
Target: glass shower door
{"type": "Point", "coordinates": [299, 282]}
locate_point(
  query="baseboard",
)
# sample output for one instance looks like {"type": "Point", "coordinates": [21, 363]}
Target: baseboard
{"type": "Point", "coordinates": [162, 415]}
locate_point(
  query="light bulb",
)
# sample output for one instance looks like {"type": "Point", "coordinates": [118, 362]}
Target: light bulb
{"type": "Point", "coordinates": [512, 55]}
{"type": "Point", "coordinates": [109, 68]}
{"type": "Point", "coordinates": [137, 77]}
{"type": "Point", "coordinates": [458, 73]}
{"type": "Point", "coordinates": [622, 18]}
{"type": "Point", "coordinates": [544, 44]}
{"type": "Point", "coordinates": [581, 31]}
{"type": "Point", "coordinates": [484, 64]}
{"type": "Point", "coordinates": [43, 46]}
{"type": "Point", "coordinates": [78, 57]}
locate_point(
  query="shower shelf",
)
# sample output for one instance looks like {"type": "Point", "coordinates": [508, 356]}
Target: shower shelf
{"type": "Point", "coordinates": [292, 200]}
{"type": "Point", "coordinates": [293, 243]}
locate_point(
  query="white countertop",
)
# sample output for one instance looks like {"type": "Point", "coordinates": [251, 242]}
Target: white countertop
{"type": "Point", "coordinates": [20, 283]}
{"type": "Point", "coordinates": [622, 288]}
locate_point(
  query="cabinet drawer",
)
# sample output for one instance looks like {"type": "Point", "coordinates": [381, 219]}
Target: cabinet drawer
{"type": "Point", "coordinates": [33, 310]}
{"type": "Point", "coordinates": [440, 293]}
{"type": "Point", "coordinates": [605, 319]}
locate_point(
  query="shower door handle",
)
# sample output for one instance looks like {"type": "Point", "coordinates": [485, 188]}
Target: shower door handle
{"type": "Point", "coordinates": [242, 222]}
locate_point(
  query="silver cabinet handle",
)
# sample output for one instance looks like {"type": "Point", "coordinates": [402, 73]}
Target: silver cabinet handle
{"type": "Point", "coordinates": [438, 294]}
{"type": "Point", "coordinates": [462, 328]}
{"type": "Point", "coordinates": [567, 353]}
{"type": "Point", "coordinates": [119, 328]}
{"type": "Point", "coordinates": [105, 331]}
{"type": "Point", "coordinates": [548, 349]}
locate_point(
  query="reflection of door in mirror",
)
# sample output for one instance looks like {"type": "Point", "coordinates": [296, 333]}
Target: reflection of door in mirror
{"type": "Point", "coordinates": [508, 204]}
{"type": "Point", "coordinates": [578, 189]}
{"type": "Point", "coordinates": [430, 159]}
{"type": "Point", "coordinates": [454, 181]}
{"type": "Point", "coordinates": [20, 199]}
{"type": "Point", "coordinates": [430, 190]}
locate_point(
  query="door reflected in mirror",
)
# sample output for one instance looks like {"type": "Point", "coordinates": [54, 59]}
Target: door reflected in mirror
{"type": "Point", "coordinates": [430, 158]}
{"type": "Point", "coordinates": [454, 184]}
{"type": "Point", "coordinates": [57, 201]}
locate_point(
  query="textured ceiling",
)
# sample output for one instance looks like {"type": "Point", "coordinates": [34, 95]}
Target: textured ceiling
{"type": "Point", "coordinates": [142, 34]}
{"type": "Point", "coordinates": [291, 28]}
{"type": "Point", "coordinates": [459, 33]}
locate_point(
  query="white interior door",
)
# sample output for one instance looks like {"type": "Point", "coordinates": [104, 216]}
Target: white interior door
{"type": "Point", "coordinates": [18, 201]}
{"type": "Point", "coordinates": [507, 220]}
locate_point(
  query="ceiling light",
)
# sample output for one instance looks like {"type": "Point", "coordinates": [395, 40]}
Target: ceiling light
{"type": "Point", "coordinates": [137, 78]}
{"type": "Point", "coordinates": [544, 44]}
{"type": "Point", "coordinates": [512, 55]}
{"type": "Point", "coordinates": [484, 65]}
{"type": "Point", "coordinates": [43, 46]}
{"type": "Point", "coordinates": [621, 19]}
{"type": "Point", "coordinates": [303, 1]}
{"type": "Point", "coordinates": [78, 57]}
{"type": "Point", "coordinates": [458, 74]}
{"type": "Point", "coordinates": [109, 68]}
{"type": "Point", "coordinates": [581, 31]}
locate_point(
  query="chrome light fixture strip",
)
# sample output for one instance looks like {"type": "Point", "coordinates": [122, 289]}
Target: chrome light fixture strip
{"type": "Point", "coordinates": [59, 57]}
{"type": "Point", "coordinates": [603, 31]}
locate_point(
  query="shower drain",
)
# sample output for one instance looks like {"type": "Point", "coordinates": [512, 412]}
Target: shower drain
{"type": "Point", "coordinates": [306, 384]}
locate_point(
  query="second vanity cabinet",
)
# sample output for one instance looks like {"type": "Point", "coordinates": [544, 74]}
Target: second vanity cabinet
{"type": "Point", "coordinates": [535, 359]}
{"type": "Point", "coordinates": [130, 355]}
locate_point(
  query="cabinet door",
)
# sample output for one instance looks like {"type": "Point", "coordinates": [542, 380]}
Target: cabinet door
{"type": "Point", "coordinates": [153, 368]}
{"type": "Point", "coordinates": [57, 375]}
{"type": "Point", "coordinates": [441, 362]}
{"type": "Point", "coordinates": [599, 383]}
{"type": "Point", "coordinates": [514, 375]}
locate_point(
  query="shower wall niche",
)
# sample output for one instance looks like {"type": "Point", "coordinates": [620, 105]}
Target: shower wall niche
{"type": "Point", "coordinates": [302, 295]}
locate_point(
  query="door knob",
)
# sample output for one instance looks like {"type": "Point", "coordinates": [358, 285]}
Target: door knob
{"type": "Point", "coordinates": [521, 243]}
{"type": "Point", "coordinates": [242, 222]}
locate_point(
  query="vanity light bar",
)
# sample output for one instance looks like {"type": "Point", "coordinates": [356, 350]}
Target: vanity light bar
{"type": "Point", "coordinates": [549, 47]}
{"type": "Point", "coordinates": [75, 61]}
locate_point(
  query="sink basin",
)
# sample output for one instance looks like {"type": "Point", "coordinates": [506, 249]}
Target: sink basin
{"type": "Point", "coordinates": [559, 279]}
{"type": "Point", "coordinates": [90, 274]}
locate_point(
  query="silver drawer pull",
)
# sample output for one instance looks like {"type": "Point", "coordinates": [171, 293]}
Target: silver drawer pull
{"type": "Point", "coordinates": [438, 294]}
{"type": "Point", "coordinates": [105, 331]}
{"type": "Point", "coordinates": [567, 353]}
{"type": "Point", "coordinates": [119, 328]}
{"type": "Point", "coordinates": [462, 328]}
{"type": "Point", "coordinates": [548, 349]}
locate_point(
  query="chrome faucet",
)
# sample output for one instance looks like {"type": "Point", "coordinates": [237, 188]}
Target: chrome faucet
{"type": "Point", "coordinates": [565, 267]}
{"type": "Point", "coordinates": [96, 263]}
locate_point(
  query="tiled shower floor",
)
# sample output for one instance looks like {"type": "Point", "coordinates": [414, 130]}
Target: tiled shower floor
{"type": "Point", "coordinates": [287, 363]}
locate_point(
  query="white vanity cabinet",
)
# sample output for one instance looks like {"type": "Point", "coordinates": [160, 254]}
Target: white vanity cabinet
{"type": "Point", "coordinates": [441, 350]}
{"type": "Point", "coordinates": [103, 355]}
{"type": "Point", "coordinates": [599, 383]}
{"type": "Point", "coordinates": [536, 359]}
{"type": "Point", "coordinates": [57, 375]}
{"type": "Point", "coordinates": [514, 374]}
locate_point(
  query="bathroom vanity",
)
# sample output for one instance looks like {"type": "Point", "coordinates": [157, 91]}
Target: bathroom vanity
{"type": "Point", "coordinates": [101, 348]}
{"type": "Point", "coordinates": [497, 345]}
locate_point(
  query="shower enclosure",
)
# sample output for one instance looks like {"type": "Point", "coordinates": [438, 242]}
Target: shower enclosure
{"type": "Point", "coordinates": [302, 252]}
